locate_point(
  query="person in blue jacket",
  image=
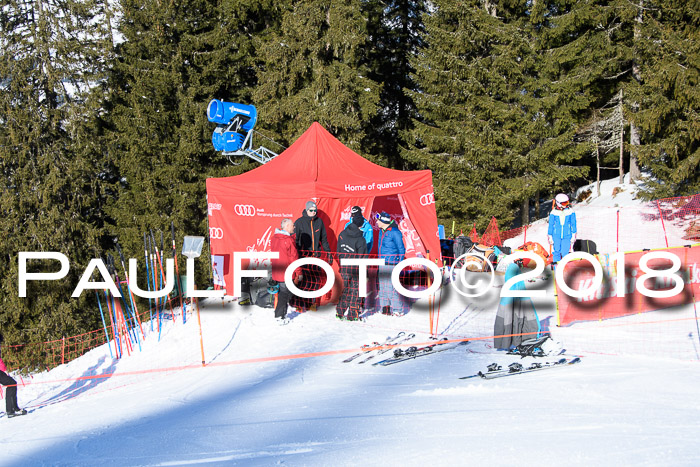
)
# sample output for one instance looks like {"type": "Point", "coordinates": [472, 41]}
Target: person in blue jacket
{"type": "Point", "coordinates": [562, 227]}
{"type": "Point", "coordinates": [366, 228]}
{"type": "Point", "coordinates": [392, 250]}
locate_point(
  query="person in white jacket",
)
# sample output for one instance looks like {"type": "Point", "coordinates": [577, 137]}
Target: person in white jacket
{"type": "Point", "coordinates": [562, 227]}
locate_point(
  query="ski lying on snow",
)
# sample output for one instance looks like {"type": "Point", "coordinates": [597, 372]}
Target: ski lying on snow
{"type": "Point", "coordinates": [495, 371]}
{"type": "Point", "coordinates": [387, 347]}
{"type": "Point", "coordinates": [401, 355]}
{"type": "Point", "coordinates": [373, 346]}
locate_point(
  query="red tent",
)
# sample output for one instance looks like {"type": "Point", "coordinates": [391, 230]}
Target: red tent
{"type": "Point", "coordinates": [245, 210]}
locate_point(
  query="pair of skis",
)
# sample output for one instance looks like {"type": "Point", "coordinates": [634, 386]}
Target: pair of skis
{"type": "Point", "coordinates": [370, 351]}
{"type": "Point", "coordinates": [401, 355]}
{"type": "Point", "coordinates": [496, 371]}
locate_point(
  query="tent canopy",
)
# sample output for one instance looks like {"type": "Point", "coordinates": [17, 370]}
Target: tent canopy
{"type": "Point", "coordinates": [244, 210]}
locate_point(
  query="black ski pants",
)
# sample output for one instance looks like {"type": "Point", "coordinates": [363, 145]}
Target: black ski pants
{"type": "Point", "coordinates": [11, 393]}
{"type": "Point", "coordinates": [283, 297]}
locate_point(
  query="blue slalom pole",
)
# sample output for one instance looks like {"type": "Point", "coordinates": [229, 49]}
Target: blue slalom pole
{"type": "Point", "coordinates": [104, 324]}
{"type": "Point", "coordinates": [148, 280]}
{"type": "Point", "coordinates": [116, 325]}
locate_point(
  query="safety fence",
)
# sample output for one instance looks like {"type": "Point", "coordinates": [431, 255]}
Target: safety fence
{"type": "Point", "coordinates": [665, 223]}
{"type": "Point", "coordinates": [657, 224]}
{"type": "Point", "coordinates": [50, 354]}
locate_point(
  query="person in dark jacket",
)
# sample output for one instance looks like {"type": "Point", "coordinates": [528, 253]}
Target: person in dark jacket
{"type": "Point", "coordinates": [365, 227]}
{"type": "Point", "coordinates": [312, 241]}
{"type": "Point", "coordinates": [283, 242]}
{"type": "Point", "coordinates": [11, 407]}
{"type": "Point", "coordinates": [351, 244]}
{"type": "Point", "coordinates": [392, 250]}
{"type": "Point", "coordinates": [311, 232]}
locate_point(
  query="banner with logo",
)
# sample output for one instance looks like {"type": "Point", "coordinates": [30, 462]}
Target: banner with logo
{"type": "Point", "coordinates": [606, 302]}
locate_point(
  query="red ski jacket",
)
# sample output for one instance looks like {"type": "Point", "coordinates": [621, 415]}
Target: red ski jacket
{"type": "Point", "coordinates": [285, 245]}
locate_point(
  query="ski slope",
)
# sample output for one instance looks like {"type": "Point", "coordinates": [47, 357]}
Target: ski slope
{"type": "Point", "coordinates": [272, 394]}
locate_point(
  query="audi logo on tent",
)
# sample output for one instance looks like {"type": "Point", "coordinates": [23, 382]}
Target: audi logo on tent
{"type": "Point", "coordinates": [426, 200]}
{"type": "Point", "coordinates": [216, 233]}
{"type": "Point", "coordinates": [244, 210]}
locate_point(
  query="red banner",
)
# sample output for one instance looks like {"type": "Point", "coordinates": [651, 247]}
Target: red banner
{"type": "Point", "coordinates": [608, 300]}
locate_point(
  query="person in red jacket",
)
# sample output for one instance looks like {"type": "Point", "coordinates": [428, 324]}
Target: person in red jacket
{"type": "Point", "coordinates": [284, 242]}
{"type": "Point", "coordinates": [11, 406]}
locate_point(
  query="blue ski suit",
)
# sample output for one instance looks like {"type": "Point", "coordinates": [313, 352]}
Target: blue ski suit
{"type": "Point", "coordinates": [562, 232]}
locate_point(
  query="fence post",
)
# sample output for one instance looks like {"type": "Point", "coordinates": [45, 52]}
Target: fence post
{"type": "Point", "coordinates": [661, 215]}
{"type": "Point", "coordinates": [63, 351]}
{"type": "Point", "coordinates": [525, 237]}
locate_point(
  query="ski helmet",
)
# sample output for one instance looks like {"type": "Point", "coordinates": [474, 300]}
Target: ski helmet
{"type": "Point", "coordinates": [561, 200]}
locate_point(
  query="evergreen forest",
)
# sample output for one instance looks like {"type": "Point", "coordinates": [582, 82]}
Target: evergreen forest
{"type": "Point", "coordinates": [104, 133]}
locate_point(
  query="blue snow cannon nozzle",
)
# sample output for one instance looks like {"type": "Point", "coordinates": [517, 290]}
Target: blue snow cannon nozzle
{"type": "Point", "coordinates": [227, 141]}
{"type": "Point", "coordinates": [223, 113]}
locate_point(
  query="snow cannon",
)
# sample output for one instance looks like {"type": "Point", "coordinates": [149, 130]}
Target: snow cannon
{"type": "Point", "coordinates": [233, 135]}
{"type": "Point", "coordinates": [227, 141]}
{"type": "Point", "coordinates": [242, 116]}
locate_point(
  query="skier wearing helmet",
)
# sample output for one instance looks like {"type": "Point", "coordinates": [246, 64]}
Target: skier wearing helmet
{"type": "Point", "coordinates": [562, 227]}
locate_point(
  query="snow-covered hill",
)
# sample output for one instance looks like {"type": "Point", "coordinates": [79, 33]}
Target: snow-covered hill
{"type": "Point", "coordinates": [272, 394]}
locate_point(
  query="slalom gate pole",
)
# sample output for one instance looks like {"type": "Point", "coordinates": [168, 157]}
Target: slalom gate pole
{"type": "Point", "coordinates": [177, 272]}
{"type": "Point", "coordinates": [102, 315]}
{"type": "Point", "coordinates": [437, 320]}
{"type": "Point", "coordinates": [132, 333]}
{"type": "Point", "coordinates": [162, 277]}
{"type": "Point", "coordinates": [692, 294]}
{"type": "Point", "coordinates": [663, 224]}
{"type": "Point", "coordinates": [134, 309]}
{"type": "Point", "coordinates": [125, 329]}
{"type": "Point", "coordinates": [111, 323]}
{"type": "Point", "coordinates": [431, 299]}
{"type": "Point", "coordinates": [151, 259]}
{"type": "Point", "coordinates": [162, 282]}
{"type": "Point", "coordinates": [116, 330]}
{"type": "Point", "coordinates": [148, 281]}
{"type": "Point", "coordinates": [617, 229]}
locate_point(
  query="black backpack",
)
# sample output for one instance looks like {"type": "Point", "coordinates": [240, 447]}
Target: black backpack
{"type": "Point", "coordinates": [462, 245]}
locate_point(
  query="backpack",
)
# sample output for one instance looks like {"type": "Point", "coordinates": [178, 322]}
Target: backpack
{"type": "Point", "coordinates": [462, 245]}
{"type": "Point", "coordinates": [586, 246]}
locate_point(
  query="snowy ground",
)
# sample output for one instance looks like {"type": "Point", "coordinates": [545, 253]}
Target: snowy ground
{"type": "Point", "coordinates": [274, 394]}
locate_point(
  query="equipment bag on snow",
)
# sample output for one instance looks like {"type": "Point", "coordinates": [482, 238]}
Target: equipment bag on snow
{"type": "Point", "coordinates": [537, 347]}
{"type": "Point", "coordinates": [259, 293]}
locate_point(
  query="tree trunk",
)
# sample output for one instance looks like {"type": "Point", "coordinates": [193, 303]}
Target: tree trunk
{"type": "Point", "coordinates": [635, 173]}
{"type": "Point", "coordinates": [525, 214]}
{"type": "Point", "coordinates": [490, 7]}
{"type": "Point", "coordinates": [622, 154]}
{"type": "Point", "coordinates": [597, 161]}
{"type": "Point", "coordinates": [537, 205]}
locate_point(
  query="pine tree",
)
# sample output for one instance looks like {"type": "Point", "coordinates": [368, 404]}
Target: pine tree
{"type": "Point", "coordinates": [668, 56]}
{"type": "Point", "coordinates": [395, 30]}
{"type": "Point", "coordinates": [313, 70]}
{"type": "Point", "coordinates": [497, 113]}
{"type": "Point", "coordinates": [52, 58]}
